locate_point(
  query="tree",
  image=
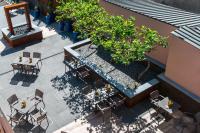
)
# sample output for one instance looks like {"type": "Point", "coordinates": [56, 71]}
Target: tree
{"type": "Point", "coordinates": [125, 42]}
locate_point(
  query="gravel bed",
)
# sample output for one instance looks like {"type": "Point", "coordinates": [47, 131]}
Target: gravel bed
{"type": "Point", "coordinates": [126, 75]}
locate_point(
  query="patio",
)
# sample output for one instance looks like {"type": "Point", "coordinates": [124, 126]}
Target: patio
{"type": "Point", "coordinates": [62, 93]}
{"type": "Point", "coordinates": [51, 48]}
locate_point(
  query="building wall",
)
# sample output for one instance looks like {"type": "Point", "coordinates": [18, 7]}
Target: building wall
{"type": "Point", "coordinates": [183, 65]}
{"type": "Point", "coordinates": [160, 54]}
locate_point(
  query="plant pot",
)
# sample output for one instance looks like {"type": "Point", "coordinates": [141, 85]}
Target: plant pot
{"type": "Point", "coordinates": [61, 26]}
{"type": "Point", "coordinates": [53, 16]}
{"type": "Point", "coordinates": [68, 26]}
{"type": "Point", "coordinates": [48, 19]}
{"type": "Point", "coordinates": [36, 14]}
{"type": "Point", "coordinates": [75, 36]}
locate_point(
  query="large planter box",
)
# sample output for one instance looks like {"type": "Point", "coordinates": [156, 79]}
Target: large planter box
{"type": "Point", "coordinates": [34, 35]}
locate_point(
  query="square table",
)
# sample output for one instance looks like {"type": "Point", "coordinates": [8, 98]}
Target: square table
{"type": "Point", "coordinates": [26, 61]}
{"type": "Point", "coordinates": [103, 95]}
{"type": "Point", "coordinates": [30, 103]}
{"type": "Point", "coordinates": [164, 105]}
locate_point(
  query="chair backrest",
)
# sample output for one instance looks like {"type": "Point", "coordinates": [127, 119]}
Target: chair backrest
{"type": "Point", "coordinates": [39, 93]}
{"type": "Point", "coordinates": [26, 54]}
{"type": "Point", "coordinates": [43, 115]}
{"type": "Point", "coordinates": [27, 67]}
{"type": "Point", "coordinates": [87, 89]}
{"type": "Point", "coordinates": [12, 99]}
{"type": "Point", "coordinates": [99, 83]}
{"type": "Point", "coordinates": [16, 66]}
{"type": "Point", "coordinates": [197, 117]}
{"type": "Point", "coordinates": [155, 94]}
{"type": "Point", "coordinates": [36, 55]}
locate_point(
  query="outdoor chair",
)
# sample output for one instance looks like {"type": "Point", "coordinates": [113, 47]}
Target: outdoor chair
{"type": "Point", "coordinates": [17, 67]}
{"type": "Point", "coordinates": [83, 73]}
{"type": "Point", "coordinates": [105, 110]}
{"type": "Point", "coordinates": [86, 90]}
{"type": "Point", "coordinates": [116, 100]}
{"type": "Point", "coordinates": [16, 117]}
{"type": "Point", "coordinates": [155, 97]}
{"type": "Point", "coordinates": [12, 100]}
{"type": "Point", "coordinates": [38, 97]}
{"type": "Point", "coordinates": [99, 83]}
{"type": "Point", "coordinates": [197, 118]}
{"type": "Point", "coordinates": [28, 69]}
{"type": "Point", "coordinates": [38, 116]}
{"type": "Point", "coordinates": [27, 54]}
{"type": "Point", "coordinates": [38, 56]}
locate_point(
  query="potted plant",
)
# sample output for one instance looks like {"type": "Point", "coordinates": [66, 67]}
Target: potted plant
{"type": "Point", "coordinates": [60, 16]}
{"type": "Point", "coordinates": [75, 36]}
{"type": "Point", "coordinates": [48, 17]}
{"type": "Point", "coordinates": [36, 12]}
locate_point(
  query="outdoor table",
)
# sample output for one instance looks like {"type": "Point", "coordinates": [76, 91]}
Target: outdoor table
{"type": "Point", "coordinates": [102, 95]}
{"type": "Point", "coordinates": [26, 61]}
{"type": "Point", "coordinates": [30, 103]}
{"type": "Point", "coordinates": [164, 105]}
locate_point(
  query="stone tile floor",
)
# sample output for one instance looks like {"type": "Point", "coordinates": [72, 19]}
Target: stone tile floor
{"type": "Point", "coordinates": [136, 119]}
{"type": "Point", "coordinates": [62, 98]}
{"type": "Point", "coordinates": [59, 113]}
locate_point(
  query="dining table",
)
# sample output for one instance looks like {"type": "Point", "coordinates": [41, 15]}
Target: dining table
{"type": "Point", "coordinates": [26, 61]}
{"type": "Point", "coordinates": [164, 105]}
{"type": "Point", "coordinates": [100, 94]}
{"type": "Point", "coordinates": [29, 104]}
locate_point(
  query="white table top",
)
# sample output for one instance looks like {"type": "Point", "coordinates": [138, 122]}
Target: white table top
{"type": "Point", "coordinates": [164, 105]}
{"type": "Point", "coordinates": [26, 61]}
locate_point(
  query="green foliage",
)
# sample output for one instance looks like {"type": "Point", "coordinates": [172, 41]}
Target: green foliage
{"type": "Point", "coordinates": [119, 36]}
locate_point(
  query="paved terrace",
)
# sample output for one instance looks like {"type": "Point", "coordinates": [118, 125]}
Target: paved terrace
{"type": "Point", "coordinates": [61, 92]}
{"type": "Point", "coordinates": [59, 114]}
{"type": "Point", "coordinates": [62, 98]}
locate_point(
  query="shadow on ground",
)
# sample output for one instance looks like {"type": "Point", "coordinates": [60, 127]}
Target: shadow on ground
{"type": "Point", "coordinates": [26, 80]}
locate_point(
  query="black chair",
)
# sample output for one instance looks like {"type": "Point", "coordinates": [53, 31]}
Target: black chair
{"type": "Point", "coordinates": [38, 56]}
{"type": "Point", "coordinates": [27, 54]}
{"type": "Point", "coordinates": [28, 69]}
{"type": "Point", "coordinates": [38, 116]}
{"type": "Point", "coordinates": [38, 97]}
{"type": "Point", "coordinates": [116, 100]}
{"type": "Point", "coordinates": [155, 97]}
{"type": "Point", "coordinates": [105, 109]}
{"type": "Point", "coordinates": [17, 67]}
{"type": "Point", "coordinates": [12, 100]}
{"type": "Point", "coordinates": [83, 73]}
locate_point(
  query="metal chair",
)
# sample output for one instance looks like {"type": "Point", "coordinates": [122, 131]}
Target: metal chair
{"type": "Point", "coordinates": [155, 97]}
{"type": "Point", "coordinates": [116, 100]}
{"type": "Point", "coordinates": [99, 83]}
{"type": "Point", "coordinates": [38, 56]}
{"type": "Point", "coordinates": [30, 69]}
{"type": "Point", "coordinates": [27, 54]}
{"type": "Point", "coordinates": [17, 67]}
{"type": "Point", "coordinates": [105, 109]}
{"type": "Point", "coordinates": [38, 97]}
{"type": "Point", "coordinates": [83, 73]}
{"type": "Point", "coordinates": [16, 117]}
{"type": "Point", "coordinates": [12, 100]}
{"type": "Point", "coordinates": [38, 116]}
{"type": "Point", "coordinates": [86, 90]}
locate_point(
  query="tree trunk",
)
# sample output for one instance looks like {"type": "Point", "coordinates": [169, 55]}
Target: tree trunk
{"type": "Point", "coordinates": [145, 70]}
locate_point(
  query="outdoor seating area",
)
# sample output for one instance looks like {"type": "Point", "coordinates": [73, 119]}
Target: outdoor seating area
{"type": "Point", "coordinates": [80, 68]}
{"type": "Point", "coordinates": [27, 63]}
{"type": "Point", "coordinates": [27, 110]}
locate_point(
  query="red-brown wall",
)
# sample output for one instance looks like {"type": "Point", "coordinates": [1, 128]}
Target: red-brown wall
{"type": "Point", "coordinates": [183, 65]}
{"type": "Point", "coordinates": [160, 54]}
